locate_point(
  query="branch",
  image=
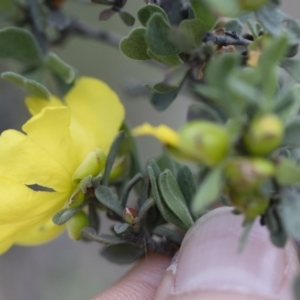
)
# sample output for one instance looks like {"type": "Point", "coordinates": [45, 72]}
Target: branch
{"type": "Point", "coordinates": [230, 38]}
{"type": "Point", "coordinates": [77, 28]}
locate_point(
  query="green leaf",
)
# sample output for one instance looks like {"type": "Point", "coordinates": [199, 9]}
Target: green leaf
{"type": "Point", "coordinates": [113, 152]}
{"type": "Point", "coordinates": [20, 45]}
{"type": "Point", "coordinates": [169, 60]}
{"type": "Point", "coordinates": [292, 66]}
{"type": "Point", "coordinates": [122, 254]}
{"type": "Point", "coordinates": [55, 64]}
{"type": "Point", "coordinates": [32, 87]}
{"type": "Point", "coordinates": [127, 18]}
{"type": "Point", "coordinates": [247, 226]}
{"type": "Point", "coordinates": [172, 196]}
{"type": "Point", "coordinates": [209, 190]}
{"type": "Point", "coordinates": [165, 161]}
{"type": "Point", "coordinates": [292, 134]}
{"type": "Point", "coordinates": [121, 228]}
{"type": "Point", "coordinates": [194, 31]}
{"type": "Point", "coordinates": [290, 211]}
{"type": "Point", "coordinates": [147, 11]}
{"type": "Point", "coordinates": [106, 197]}
{"type": "Point", "coordinates": [134, 46]}
{"type": "Point", "coordinates": [157, 36]}
{"type": "Point", "coordinates": [145, 208]}
{"type": "Point", "coordinates": [168, 215]}
{"type": "Point", "coordinates": [203, 111]}
{"type": "Point", "coordinates": [203, 12]}
{"type": "Point", "coordinates": [167, 233]}
{"type": "Point", "coordinates": [287, 172]}
{"type": "Point", "coordinates": [273, 220]}
{"type": "Point", "coordinates": [105, 239]}
{"type": "Point", "coordinates": [161, 101]}
{"type": "Point", "coordinates": [234, 25]}
{"type": "Point", "coordinates": [225, 8]}
{"type": "Point", "coordinates": [65, 215]}
{"type": "Point", "coordinates": [128, 187]}
{"type": "Point", "coordinates": [94, 219]}
{"type": "Point", "coordinates": [187, 183]}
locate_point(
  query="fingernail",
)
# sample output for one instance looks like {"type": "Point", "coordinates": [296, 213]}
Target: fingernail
{"type": "Point", "coordinates": [209, 259]}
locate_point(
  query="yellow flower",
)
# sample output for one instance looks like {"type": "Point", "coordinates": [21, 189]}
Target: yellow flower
{"type": "Point", "coordinates": [58, 138]}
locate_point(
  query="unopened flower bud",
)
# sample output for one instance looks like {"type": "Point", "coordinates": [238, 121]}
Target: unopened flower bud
{"type": "Point", "coordinates": [205, 142]}
{"type": "Point", "coordinates": [93, 164]}
{"type": "Point", "coordinates": [247, 174]}
{"type": "Point", "coordinates": [76, 199]}
{"type": "Point", "coordinates": [129, 215]}
{"type": "Point", "coordinates": [76, 223]}
{"type": "Point", "coordinates": [251, 205]}
{"type": "Point", "coordinates": [264, 135]}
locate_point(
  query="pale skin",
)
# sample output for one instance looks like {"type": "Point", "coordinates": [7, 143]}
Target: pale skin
{"type": "Point", "coordinates": [208, 266]}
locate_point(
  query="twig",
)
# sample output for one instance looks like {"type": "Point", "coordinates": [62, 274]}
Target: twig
{"type": "Point", "coordinates": [229, 38]}
{"type": "Point", "coordinates": [78, 28]}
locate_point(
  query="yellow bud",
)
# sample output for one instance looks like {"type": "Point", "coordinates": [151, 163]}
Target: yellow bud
{"type": "Point", "coordinates": [247, 174]}
{"type": "Point", "coordinates": [76, 223]}
{"type": "Point", "coordinates": [93, 164]}
{"type": "Point", "coordinates": [205, 142]}
{"type": "Point", "coordinates": [264, 135]}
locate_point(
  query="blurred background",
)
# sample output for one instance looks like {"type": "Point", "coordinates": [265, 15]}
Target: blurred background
{"type": "Point", "coordinates": [63, 269]}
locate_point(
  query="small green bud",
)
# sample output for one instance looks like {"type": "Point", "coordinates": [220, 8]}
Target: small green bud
{"type": "Point", "coordinates": [76, 223]}
{"type": "Point", "coordinates": [129, 215]}
{"type": "Point", "coordinates": [203, 141]}
{"type": "Point", "coordinates": [252, 4]}
{"type": "Point", "coordinates": [76, 199]}
{"type": "Point", "coordinates": [247, 174]}
{"type": "Point", "coordinates": [93, 164]}
{"type": "Point", "coordinates": [251, 205]}
{"type": "Point", "coordinates": [264, 135]}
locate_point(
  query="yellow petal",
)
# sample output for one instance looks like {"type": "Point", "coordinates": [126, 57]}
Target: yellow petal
{"type": "Point", "coordinates": [27, 163]}
{"type": "Point", "coordinates": [97, 115]}
{"type": "Point", "coordinates": [50, 130]}
{"type": "Point", "coordinates": [165, 134]}
{"type": "Point", "coordinates": [35, 104]}
{"type": "Point", "coordinates": [22, 209]}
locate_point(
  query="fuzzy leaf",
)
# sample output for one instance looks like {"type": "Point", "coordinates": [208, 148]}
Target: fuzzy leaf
{"type": "Point", "coordinates": [169, 60]}
{"type": "Point", "coordinates": [122, 254]}
{"type": "Point", "coordinates": [32, 87]}
{"type": "Point", "coordinates": [113, 151]}
{"type": "Point", "coordinates": [203, 12]}
{"type": "Point", "coordinates": [147, 11]}
{"type": "Point", "coordinates": [55, 64]}
{"type": "Point", "coordinates": [287, 172]}
{"type": "Point", "coordinates": [127, 18]}
{"type": "Point", "coordinates": [292, 134]}
{"type": "Point", "coordinates": [194, 30]}
{"type": "Point", "coordinates": [168, 215]}
{"type": "Point", "coordinates": [64, 215]}
{"type": "Point", "coordinates": [20, 45]}
{"type": "Point", "coordinates": [104, 239]}
{"type": "Point", "coordinates": [134, 46]}
{"type": "Point", "coordinates": [172, 196]}
{"type": "Point", "coordinates": [157, 36]}
{"type": "Point", "coordinates": [292, 66]}
{"type": "Point", "coordinates": [106, 197]}
{"type": "Point", "coordinates": [209, 190]}
{"type": "Point", "coordinates": [290, 211]}
{"type": "Point", "coordinates": [234, 25]}
{"type": "Point", "coordinates": [202, 111]}
{"type": "Point", "coordinates": [161, 101]}
{"type": "Point", "coordinates": [145, 208]}
{"type": "Point", "coordinates": [121, 228]}
{"type": "Point", "coordinates": [187, 183]}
